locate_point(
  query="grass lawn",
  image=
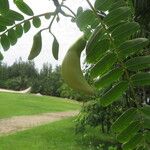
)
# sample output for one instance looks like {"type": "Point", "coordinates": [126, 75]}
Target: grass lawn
{"type": "Point", "coordinates": [26, 104]}
{"type": "Point", "coordinates": [59, 135]}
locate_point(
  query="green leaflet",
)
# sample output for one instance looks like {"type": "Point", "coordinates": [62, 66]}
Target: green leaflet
{"type": "Point", "coordinates": [26, 26]}
{"type": "Point", "coordinates": [147, 137]}
{"type": "Point", "coordinates": [36, 22]}
{"type": "Point", "coordinates": [124, 31]}
{"type": "Point", "coordinates": [95, 23]}
{"type": "Point", "coordinates": [117, 15]}
{"type": "Point", "coordinates": [36, 47]}
{"type": "Point", "coordinates": [129, 132]}
{"type": "Point", "coordinates": [84, 19]}
{"type": "Point", "coordinates": [87, 33]}
{"type": "Point", "coordinates": [124, 120]}
{"type": "Point", "coordinates": [112, 28]}
{"type": "Point", "coordinates": [103, 65]}
{"type": "Point", "coordinates": [138, 63]}
{"type": "Point", "coordinates": [5, 21]}
{"type": "Point", "coordinates": [12, 15]}
{"type": "Point", "coordinates": [117, 4]}
{"type": "Point", "coordinates": [1, 56]}
{"type": "Point", "coordinates": [4, 4]}
{"type": "Point", "coordinates": [5, 42]}
{"type": "Point", "coordinates": [55, 48]}
{"type": "Point", "coordinates": [131, 46]}
{"type": "Point", "coordinates": [2, 28]}
{"type": "Point", "coordinates": [19, 31]}
{"type": "Point", "coordinates": [22, 6]}
{"type": "Point", "coordinates": [141, 79]}
{"type": "Point", "coordinates": [98, 50]}
{"type": "Point", "coordinates": [145, 114]}
{"type": "Point", "coordinates": [146, 110]}
{"type": "Point", "coordinates": [79, 11]}
{"type": "Point", "coordinates": [48, 16]}
{"type": "Point", "coordinates": [114, 93]}
{"type": "Point", "coordinates": [94, 38]}
{"type": "Point", "coordinates": [103, 5]}
{"type": "Point", "coordinates": [109, 78]}
{"type": "Point", "coordinates": [146, 122]}
{"type": "Point", "coordinates": [12, 37]}
{"type": "Point", "coordinates": [141, 148]}
{"type": "Point", "coordinates": [134, 142]}
{"type": "Point", "coordinates": [15, 15]}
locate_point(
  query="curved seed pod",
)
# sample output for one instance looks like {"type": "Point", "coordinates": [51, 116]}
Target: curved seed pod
{"type": "Point", "coordinates": [71, 69]}
{"type": "Point", "coordinates": [36, 47]}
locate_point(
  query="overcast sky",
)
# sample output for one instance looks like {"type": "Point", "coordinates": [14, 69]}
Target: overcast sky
{"type": "Point", "coordinates": [65, 31]}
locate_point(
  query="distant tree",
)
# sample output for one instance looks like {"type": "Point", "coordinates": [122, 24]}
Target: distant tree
{"type": "Point", "coordinates": [48, 81]}
{"type": "Point", "coordinates": [18, 76]}
{"type": "Point", "coordinates": [3, 75]}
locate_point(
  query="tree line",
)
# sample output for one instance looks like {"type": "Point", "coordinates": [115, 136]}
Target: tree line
{"type": "Point", "coordinates": [46, 81]}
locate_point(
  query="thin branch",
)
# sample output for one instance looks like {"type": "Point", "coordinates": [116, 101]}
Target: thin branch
{"type": "Point", "coordinates": [66, 15]}
{"type": "Point", "coordinates": [56, 3]}
{"type": "Point", "coordinates": [43, 29]}
{"type": "Point", "coordinates": [55, 14]}
{"type": "Point", "coordinates": [69, 10]}
{"type": "Point", "coordinates": [40, 15]}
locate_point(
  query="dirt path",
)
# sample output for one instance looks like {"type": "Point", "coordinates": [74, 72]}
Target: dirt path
{"type": "Point", "coordinates": [19, 123]}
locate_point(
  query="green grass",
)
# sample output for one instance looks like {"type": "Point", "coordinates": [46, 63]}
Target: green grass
{"type": "Point", "coordinates": [27, 104]}
{"type": "Point", "coordinates": [59, 135]}
{"type": "Point", "coordinates": [55, 136]}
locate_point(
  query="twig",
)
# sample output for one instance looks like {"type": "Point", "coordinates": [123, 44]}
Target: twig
{"type": "Point", "coordinates": [40, 15]}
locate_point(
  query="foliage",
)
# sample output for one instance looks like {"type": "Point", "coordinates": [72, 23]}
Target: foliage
{"type": "Point", "coordinates": [13, 25]}
{"type": "Point", "coordinates": [117, 34]}
{"type": "Point", "coordinates": [93, 114]}
{"type": "Point", "coordinates": [119, 66]}
{"type": "Point", "coordinates": [47, 81]}
{"type": "Point", "coordinates": [18, 76]}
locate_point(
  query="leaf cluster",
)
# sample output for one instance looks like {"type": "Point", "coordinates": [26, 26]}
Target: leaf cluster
{"type": "Point", "coordinates": [119, 64]}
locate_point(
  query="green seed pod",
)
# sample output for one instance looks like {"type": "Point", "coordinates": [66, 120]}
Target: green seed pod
{"type": "Point", "coordinates": [71, 69]}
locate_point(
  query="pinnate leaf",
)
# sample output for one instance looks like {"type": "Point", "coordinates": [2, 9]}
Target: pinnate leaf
{"type": "Point", "coordinates": [124, 120]}
{"type": "Point", "coordinates": [114, 93]}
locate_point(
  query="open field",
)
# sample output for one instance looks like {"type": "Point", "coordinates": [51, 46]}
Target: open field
{"type": "Point", "coordinates": [12, 104]}
{"type": "Point", "coordinates": [59, 135]}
